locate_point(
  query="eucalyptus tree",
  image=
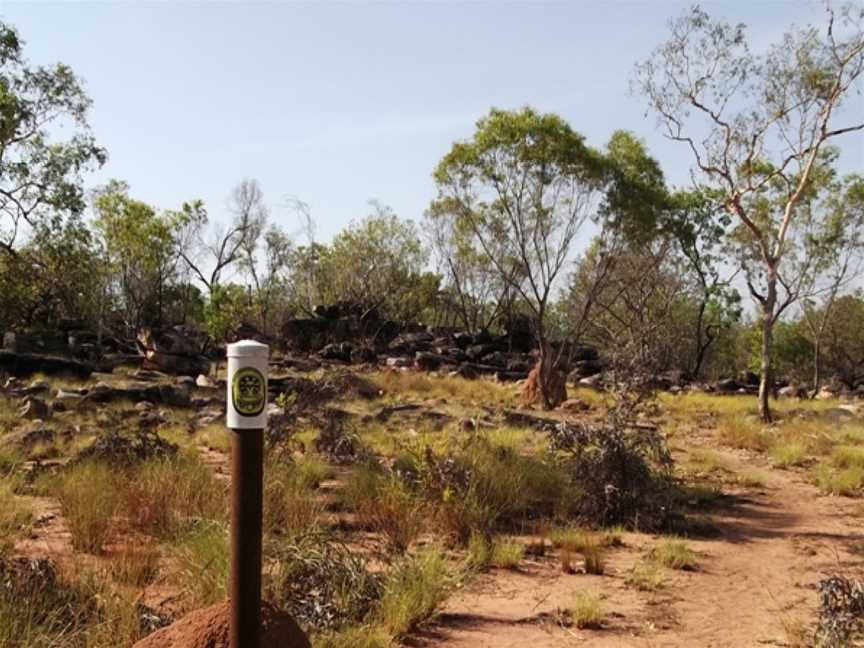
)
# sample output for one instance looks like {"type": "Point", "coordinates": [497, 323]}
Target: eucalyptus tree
{"type": "Point", "coordinates": [756, 124]}
{"type": "Point", "coordinates": [41, 175]}
{"type": "Point", "coordinates": [520, 189]}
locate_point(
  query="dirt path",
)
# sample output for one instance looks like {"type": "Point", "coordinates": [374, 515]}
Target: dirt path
{"type": "Point", "coordinates": [756, 578]}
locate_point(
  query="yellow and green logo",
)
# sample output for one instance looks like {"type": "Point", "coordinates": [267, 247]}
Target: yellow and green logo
{"type": "Point", "coordinates": [248, 391]}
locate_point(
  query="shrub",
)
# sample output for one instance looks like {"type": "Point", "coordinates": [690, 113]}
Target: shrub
{"type": "Point", "coordinates": [202, 558]}
{"type": "Point", "coordinates": [321, 583]}
{"type": "Point", "coordinates": [841, 612]}
{"type": "Point", "coordinates": [846, 456]}
{"type": "Point", "coordinates": [620, 472]}
{"type": "Point", "coordinates": [89, 498]}
{"type": "Point", "coordinates": [675, 554]}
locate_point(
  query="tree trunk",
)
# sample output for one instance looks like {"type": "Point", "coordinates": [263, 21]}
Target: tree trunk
{"type": "Point", "coordinates": [765, 378]}
{"type": "Point", "coordinates": [817, 376]}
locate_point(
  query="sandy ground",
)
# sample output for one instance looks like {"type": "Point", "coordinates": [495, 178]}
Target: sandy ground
{"type": "Point", "coordinates": [756, 578]}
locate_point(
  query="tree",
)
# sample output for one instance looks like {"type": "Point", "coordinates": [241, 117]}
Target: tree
{"type": "Point", "coordinates": [209, 251]}
{"type": "Point", "coordinates": [40, 176]}
{"type": "Point", "coordinates": [843, 340]}
{"type": "Point", "coordinates": [377, 264]}
{"type": "Point", "coordinates": [756, 124]}
{"type": "Point", "coordinates": [522, 187]}
{"type": "Point", "coordinates": [840, 248]}
{"type": "Point", "coordinates": [699, 226]}
{"type": "Point", "coordinates": [140, 248]}
{"type": "Point", "coordinates": [473, 288]}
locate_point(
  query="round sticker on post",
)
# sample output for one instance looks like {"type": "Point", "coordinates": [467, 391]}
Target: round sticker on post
{"type": "Point", "coordinates": [247, 385]}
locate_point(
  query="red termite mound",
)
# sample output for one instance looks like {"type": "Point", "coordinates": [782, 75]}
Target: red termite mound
{"type": "Point", "coordinates": [208, 628]}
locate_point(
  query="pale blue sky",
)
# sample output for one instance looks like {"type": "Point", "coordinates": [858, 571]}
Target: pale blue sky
{"type": "Point", "coordinates": [340, 103]}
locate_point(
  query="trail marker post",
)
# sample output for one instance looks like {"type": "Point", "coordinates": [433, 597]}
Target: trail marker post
{"type": "Point", "coordinates": [247, 417]}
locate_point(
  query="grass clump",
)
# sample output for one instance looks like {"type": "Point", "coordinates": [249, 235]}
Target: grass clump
{"type": "Point", "coordinates": [674, 554]}
{"type": "Point", "coordinates": [162, 496]}
{"type": "Point", "coordinates": [414, 591]}
{"type": "Point", "coordinates": [743, 431]}
{"type": "Point", "coordinates": [385, 504]}
{"type": "Point", "coordinates": [15, 514]}
{"type": "Point", "coordinates": [591, 545]}
{"type": "Point", "coordinates": [135, 565]}
{"type": "Point", "coordinates": [89, 497]}
{"type": "Point", "coordinates": [586, 611]}
{"type": "Point", "coordinates": [848, 456]}
{"type": "Point", "coordinates": [845, 481]}
{"type": "Point", "coordinates": [290, 504]}
{"type": "Point", "coordinates": [785, 454]}
{"type": "Point", "coordinates": [503, 554]}
{"type": "Point", "coordinates": [646, 576]}
{"type": "Point", "coordinates": [202, 558]}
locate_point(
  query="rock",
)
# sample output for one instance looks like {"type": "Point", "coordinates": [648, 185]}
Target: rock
{"type": "Point", "coordinates": [826, 393]}
{"type": "Point", "coordinates": [748, 379]}
{"type": "Point", "coordinates": [209, 628]}
{"type": "Point", "coordinates": [510, 376]}
{"type": "Point", "coordinates": [28, 438]}
{"type": "Point", "coordinates": [128, 448]}
{"type": "Point", "coordinates": [595, 381]}
{"type": "Point", "coordinates": [174, 395]}
{"type": "Point", "coordinates": [427, 361]}
{"type": "Point", "coordinates": [147, 375]}
{"type": "Point", "coordinates": [203, 381]}
{"type": "Point", "coordinates": [35, 408]}
{"type": "Point", "coordinates": [467, 425]}
{"type": "Point", "coordinates": [575, 405]}
{"type": "Point", "coordinates": [398, 362]}
{"type": "Point", "coordinates": [337, 351]}
{"type": "Point", "coordinates": [791, 391]}
{"type": "Point", "coordinates": [364, 355]}
{"type": "Point", "coordinates": [26, 364]}
{"type": "Point", "coordinates": [727, 385]}
{"type": "Point", "coordinates": [477, 352]}
{"type": "Point", "coordinates": [174, 351]}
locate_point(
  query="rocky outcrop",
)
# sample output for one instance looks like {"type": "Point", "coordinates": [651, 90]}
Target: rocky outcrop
{"type": "Point", "coordinates": [22, 365]}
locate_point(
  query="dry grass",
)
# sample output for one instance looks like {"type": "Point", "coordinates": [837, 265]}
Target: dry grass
{"type": "Point", "coordinates": [424, 386]}
{"type": "Point", "coordinates": [202, 559]}
{"type": "Point", "coordinates": [674, 554]}
{"type": "Point", "coordinates": [586, 611]}
{"type": "Point", "coordinates": [497, 552]}
{"type": "Point", "coordinates": [589, 544]}
{"type": "Point", "coordinates": [15, 514]}
{"type": "Point", "coordinates": [646, 576]}
{"type": "Point", "coordinates": [135, 565]}
{"type": "Point", "coordinates": [291, 505]}
{"type": "Point", "coordinates": [89, 496]}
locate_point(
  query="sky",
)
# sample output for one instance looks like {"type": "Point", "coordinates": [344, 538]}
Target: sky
{"type": "Point", "coordinates": [340, 103]}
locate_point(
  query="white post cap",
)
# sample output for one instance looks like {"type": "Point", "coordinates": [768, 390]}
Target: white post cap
{"type": "Point", "coordinates": [247, 385]}
{"type": "Point", "coordinates": [248, 349]}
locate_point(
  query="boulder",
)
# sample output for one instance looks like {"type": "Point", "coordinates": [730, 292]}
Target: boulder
{"type": "Point", "coordinates": [791, 391]}
{"type": "Point", "coordinates": [398, 362]}
{"type": "Point", "coordinates": [427, 361]}
{"type": "Point", "coordinates": [337, 351]}
{"type": "Point", "coordinates": [364, 355]}
{"type": "Point", "coordinates": [35, 408]}
{"type": "Point", "coordinates": [175, 351]}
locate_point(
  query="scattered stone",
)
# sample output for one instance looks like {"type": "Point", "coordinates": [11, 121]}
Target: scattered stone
{"type": "Point", "coordinates": [21, 365]}
{"type": "Point", "coordinates": [28, 438]}
{"type": "Point", "coordinates": [428, 361]}
{"type": "Point", "coordinates": [395, 363]}
{"type": "Point", "coordinates": [126, 449]}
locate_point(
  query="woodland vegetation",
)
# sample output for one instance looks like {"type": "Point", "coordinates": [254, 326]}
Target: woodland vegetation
{"type": "Point", "coordinates": [390, 492]}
